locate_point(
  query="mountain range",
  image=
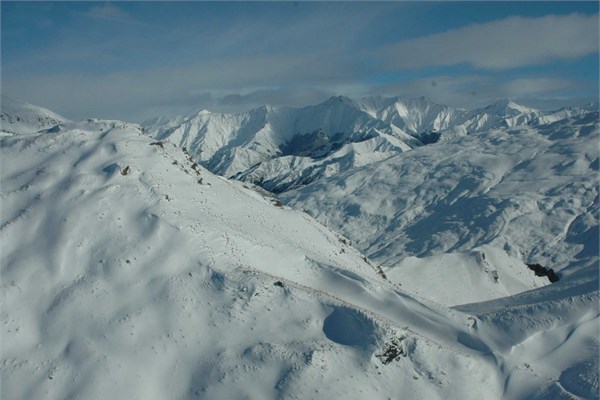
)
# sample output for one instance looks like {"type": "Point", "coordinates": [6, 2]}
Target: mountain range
{"type": "Point", "coordinates": [474, 209]}
{"type": "Point", "coordinates": [281, 148]}
{"type": "Point", "coordinates": [418, 266]}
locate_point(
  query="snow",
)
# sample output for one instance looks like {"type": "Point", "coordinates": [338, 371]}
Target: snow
{"type": "Point", "coordinates": [553, 347]}
{"type": "Point", "coordinates": [286, 172]}
{"type": "Point", "coordinates": [234, 144]}
{"type": "Point", "coordinates": [111, 288]}
{"type": "Point", "coordinates": [20, 117]}
{"type": "Point", "coordinates": [130, 272]}
{"type": "Point", "coordinates": [464, 277]}
{"type": "Point", "coordinates": [523, 195]}
{"type": "Point", "coordinates": [415, 116]}
{"type": "Point", "coordinates": [282, 148]}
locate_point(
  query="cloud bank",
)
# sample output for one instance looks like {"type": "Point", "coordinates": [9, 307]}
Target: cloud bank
{"type": "Point", "coordinates": [507, 43]}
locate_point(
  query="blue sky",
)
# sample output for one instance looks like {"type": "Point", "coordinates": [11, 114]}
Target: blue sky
{"type": "Point", "coordinates": [134, 60]}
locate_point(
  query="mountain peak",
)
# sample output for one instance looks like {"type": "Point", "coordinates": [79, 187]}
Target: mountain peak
{"type": "Point", "coordinates": [508, 106]}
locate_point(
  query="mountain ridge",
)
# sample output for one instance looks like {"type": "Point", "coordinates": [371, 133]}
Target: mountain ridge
{"type": "Point", "coordinates": [248, 146]}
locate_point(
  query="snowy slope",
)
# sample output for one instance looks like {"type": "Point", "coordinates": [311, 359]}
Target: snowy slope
{"type": "Point", "coordinates": [129, 272]}
{"type": "Point", "coordinates": [19, 117]}
{"type": "Point", "coordinates": [546, 339]}
{"type": "Point", "coordinates": [472, 210]}
{"type": "Point", "coordinates": [123, 276]}
{"type": "Point", "coordinates": [283, 173]}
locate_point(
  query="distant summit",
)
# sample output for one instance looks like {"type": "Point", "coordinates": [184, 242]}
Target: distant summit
{"type": "Point", "coordinates": [507, 107]}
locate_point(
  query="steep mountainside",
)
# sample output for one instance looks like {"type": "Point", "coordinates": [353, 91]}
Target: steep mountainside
{"type": "Point", "coordinates": [419, 117]}
{"type": "Point", "coordinates": [474, 209]}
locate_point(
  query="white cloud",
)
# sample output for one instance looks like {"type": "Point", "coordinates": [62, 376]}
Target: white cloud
{"type": "Point", "coordinates": [507, 43]}
{"type": "Point", "coordinates": [131, 95]}
{"type": "Point", "coordinates": [108, 11]}
{"type": "Point", "coordinates": [526, 87]}
{"type": "Point", "coordinates": [161, 92]}
{"type": "Point", "coordinates": [477, 91]}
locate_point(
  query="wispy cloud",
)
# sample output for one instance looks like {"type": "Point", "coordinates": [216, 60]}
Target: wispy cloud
{"type": "Point", "coordinates": [111, 12]}
{"type": "Point", "coordinates": [140, 96]}
{"type": "Point", "coordinates": [233, 86]}
{"type": "Point", "coordinates": [108, 11]}
{"type": "Point", "coordinates": [297, 96]}
{"type": "Point", "coordinates": [523, 87]}
{"type": "Point", "coordinates": [478, 90]}
{"type": "Point", "coordinates": [507, 43]}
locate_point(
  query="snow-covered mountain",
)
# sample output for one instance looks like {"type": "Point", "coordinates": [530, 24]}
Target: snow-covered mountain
{"type": "Point", "coordinates": [281, 148]}
{"type": "Point", "coordinates": [419, 117]}
{"type": "Point", "coordinates": [473, 209]}
{"type": "Point", "coordinates": [317, 140]}
{"type": "Point", "coordinates": [20, 117]}
{"type": "Point", "coordinates": [129, 271]}
{"type": "Point", "coordinates": [507, 114]}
